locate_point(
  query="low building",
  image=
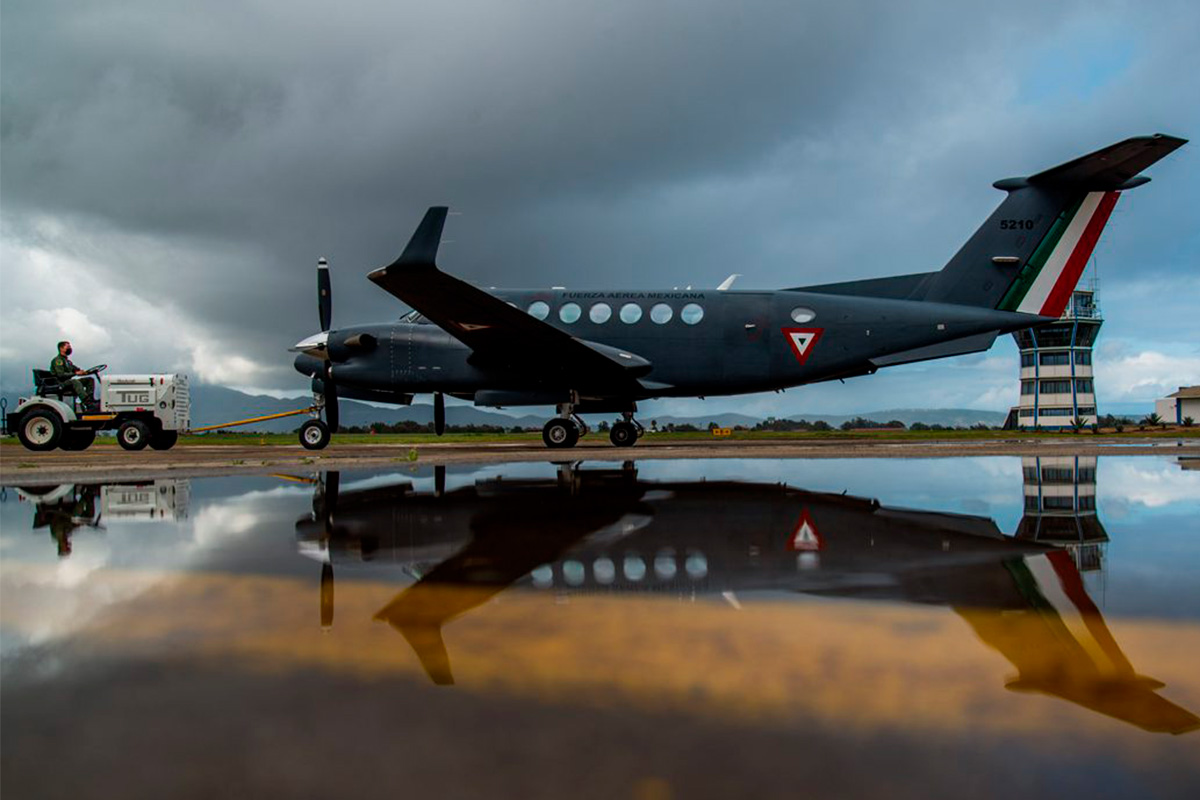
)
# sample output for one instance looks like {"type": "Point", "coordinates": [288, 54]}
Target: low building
{"type": "Point", "coordinates": [1175, 408]}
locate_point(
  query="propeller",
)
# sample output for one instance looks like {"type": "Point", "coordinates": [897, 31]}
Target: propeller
{"type": "Point", "coordinates": [439, 413]}
{"type": "Point", "coordinates": [331, 402]}
{"type": "Point", "coordinates": [324, 294]}
{"type": "Point", "coordinates": [324, 505]}
{"type": "Point", "coordinates": [325, 312]}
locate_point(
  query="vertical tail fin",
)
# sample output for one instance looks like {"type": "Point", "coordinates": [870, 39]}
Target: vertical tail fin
{"type": "Point", "coordinates": [1030, 252]}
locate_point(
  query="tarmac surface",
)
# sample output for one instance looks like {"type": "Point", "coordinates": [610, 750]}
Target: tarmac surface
{"type": "Point", "coordinates": [109, 462]}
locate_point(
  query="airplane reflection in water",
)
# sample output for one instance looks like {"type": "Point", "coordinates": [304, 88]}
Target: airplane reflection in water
{"type": "Point", "coordinates": [606, 530]}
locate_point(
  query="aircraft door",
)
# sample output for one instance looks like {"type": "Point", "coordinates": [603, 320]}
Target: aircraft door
{"type": "Point", "coordinates": [747, 338]}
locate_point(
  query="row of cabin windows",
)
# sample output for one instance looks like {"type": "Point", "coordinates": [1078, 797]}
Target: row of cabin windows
{"type": "Point", "coordinates": [600, 313]}
{"type": "Point", "coordinates": [660, 313]}
{"type": "Point", "coordinates": [1082, 358]}
{"type": "Point", "coordinates": [604, 570]}
{"type": "Point", "coordinates": [1060, 386]}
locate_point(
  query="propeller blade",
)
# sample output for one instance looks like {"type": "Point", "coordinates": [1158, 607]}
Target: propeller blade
{"type": "Point", "coordinates": [439, 413]}
{"type": "Point", "coordinates": [331, 405]}
{"type": "Point", "coordinates": [439, 480]}
{"type": "Point", "coordinates": [325, 499]}
{"type": "Point", "coordinates": [324, 295]}
{"type": "Point", "coordinates": [326, 596]}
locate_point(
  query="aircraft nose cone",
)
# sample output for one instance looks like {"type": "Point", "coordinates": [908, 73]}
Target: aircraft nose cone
{"type": "Point", "coordinates": [309, 365]}
{"type": "Point", "coordinates": [313, 345]}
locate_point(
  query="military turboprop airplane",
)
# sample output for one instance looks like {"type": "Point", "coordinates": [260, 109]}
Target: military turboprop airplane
{"type": "Point", "coordinates": [600, 531]}
{"type": "Point", "coordinates": [604, 351]}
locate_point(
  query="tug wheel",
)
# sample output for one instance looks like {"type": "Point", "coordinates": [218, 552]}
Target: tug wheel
{"type": "Point", "coordinates": [133, 435]}
{"type": "Point", "coordinates": [164, 440]}
{"type": "Point", "coordinates": [40, 430]}
{"type": "Point", "coordinates": [314, 435]}
{"type": "Point", "coordinates": [77, 439]}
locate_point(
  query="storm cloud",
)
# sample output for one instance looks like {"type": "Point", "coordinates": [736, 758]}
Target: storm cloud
{"type": "Point", "coordinates": [172, 171]}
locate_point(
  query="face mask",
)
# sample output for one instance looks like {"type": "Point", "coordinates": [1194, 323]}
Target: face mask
{"type": "Point", "coordinates": [68, 351]}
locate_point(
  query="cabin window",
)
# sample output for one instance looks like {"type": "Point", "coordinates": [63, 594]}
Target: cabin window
{"type": "Point", "coordinates": [696, 565]}
{"type": "Point", "coordinates": [574, 573]}
{"type": "Point", "coordinates": [635, 568]}
{"type": "Point", "coordinates": [570, 313]}
{"type": "Point", "coordinates": [664, 565]}
{"type": "Point", "coordinates": [691, 313]}
{"type": "Point", "coordinates": [631, 313]}
{"type": "Point", "coordinates": [661, 313]}
{"type": "Point", "coordinates": [539, 310]}
{"type": "Point", "coordinates": [802, 314]}
{"type": "Point", "coordinates": [604, 570]}
{"type": "Point", "coordinates": [600, 313]}
{"type": "Point", "coordinates": [543, 576]}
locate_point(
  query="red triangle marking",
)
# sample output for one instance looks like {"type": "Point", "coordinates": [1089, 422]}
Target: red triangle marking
{"type": "Point", "coordinates": [805, 537]}
{"type": "Point", "coordinates": [802, 341]}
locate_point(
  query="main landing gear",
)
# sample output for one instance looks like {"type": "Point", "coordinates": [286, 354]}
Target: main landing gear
{"type": "Point", "coordinates": [626, 432]}
{"type": "Point", "coordinates": [567, 428]}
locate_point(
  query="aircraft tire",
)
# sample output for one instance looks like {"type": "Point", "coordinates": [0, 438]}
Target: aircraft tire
{"type": "Point", "coordinates": [623, 434]}
{"type": "Point", "coordinates": [77, 439]}
{"type": "Point", "coordinates": [560, 433]}
{"type": "Point", "coordinates": [133, 435]}
{"type": "Point", "coordinates": [314, 435]}
{"type": "Point", "coordinates": [40, 430]}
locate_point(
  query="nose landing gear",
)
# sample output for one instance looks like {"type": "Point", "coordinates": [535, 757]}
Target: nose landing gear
{"type": "Point", "coordinates": [566, 429]}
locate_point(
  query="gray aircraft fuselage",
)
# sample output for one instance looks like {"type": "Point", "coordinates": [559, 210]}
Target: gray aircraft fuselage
{"type": "Point", "coordinates": [606, 350]}
{"type": "Point", "coordinates": [740, 345]}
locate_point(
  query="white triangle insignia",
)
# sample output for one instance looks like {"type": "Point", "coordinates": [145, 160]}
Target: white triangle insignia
{"type": "Point", "coordinates": [801, 340]}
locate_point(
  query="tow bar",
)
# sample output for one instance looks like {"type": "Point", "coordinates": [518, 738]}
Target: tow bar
{"type": "Point", "coordinates": [235, 423]}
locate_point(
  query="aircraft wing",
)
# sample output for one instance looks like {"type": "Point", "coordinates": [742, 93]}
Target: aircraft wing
{"type": "Point", "coordinates": [500, 334]}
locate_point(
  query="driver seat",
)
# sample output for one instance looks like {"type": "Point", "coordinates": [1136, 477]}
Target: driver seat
{"type": "Point", "coordinates": [47, 384]}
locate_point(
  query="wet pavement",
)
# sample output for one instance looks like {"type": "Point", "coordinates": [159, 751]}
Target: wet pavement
{"type": "Point", "coordinates": [991, 626]}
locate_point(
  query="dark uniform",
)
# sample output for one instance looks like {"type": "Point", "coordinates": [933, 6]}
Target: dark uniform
{"type": "Point", "coordinates": [63, 369]}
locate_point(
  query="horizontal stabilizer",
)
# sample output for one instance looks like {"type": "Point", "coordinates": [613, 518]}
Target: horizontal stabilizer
{"type": "Point", "coordinates": [1112, 167]}
{"type": "Point", "coordinates": [955, 347]}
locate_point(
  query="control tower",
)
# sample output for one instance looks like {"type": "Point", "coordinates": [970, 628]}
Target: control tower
{"type": "Point", "coordinates": [1056, 368]}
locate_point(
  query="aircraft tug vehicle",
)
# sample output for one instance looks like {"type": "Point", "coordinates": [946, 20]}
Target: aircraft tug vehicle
{"type": "Point", "coordinates": [143, 409]}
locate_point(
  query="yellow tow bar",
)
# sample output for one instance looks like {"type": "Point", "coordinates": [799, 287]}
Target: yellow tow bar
{"type": "Point", "coordinates": [235, 423]}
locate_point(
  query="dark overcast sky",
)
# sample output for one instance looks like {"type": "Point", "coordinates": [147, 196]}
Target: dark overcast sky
{"type": "Point", "coordinates": [171, 171]}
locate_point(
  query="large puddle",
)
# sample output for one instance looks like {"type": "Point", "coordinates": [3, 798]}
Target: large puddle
{"type": "Point", "coordinates": [977, 626]}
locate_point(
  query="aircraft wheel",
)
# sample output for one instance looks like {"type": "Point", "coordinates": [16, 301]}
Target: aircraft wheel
{"type": "Point", "coordinates": [77, 439]}
{"type": "Point", "coordinates": [164, 440]}
{"type": "Point", "coordinates": [623, 434]}
{"type": "Point", "coordinates": [40, 430]}
{"type": "Point", "coordinates": [133, 435]}
{"type": "Point", "coordinates": [560, 433]}
{"type": "Point", "coordinates": [314, 435]}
